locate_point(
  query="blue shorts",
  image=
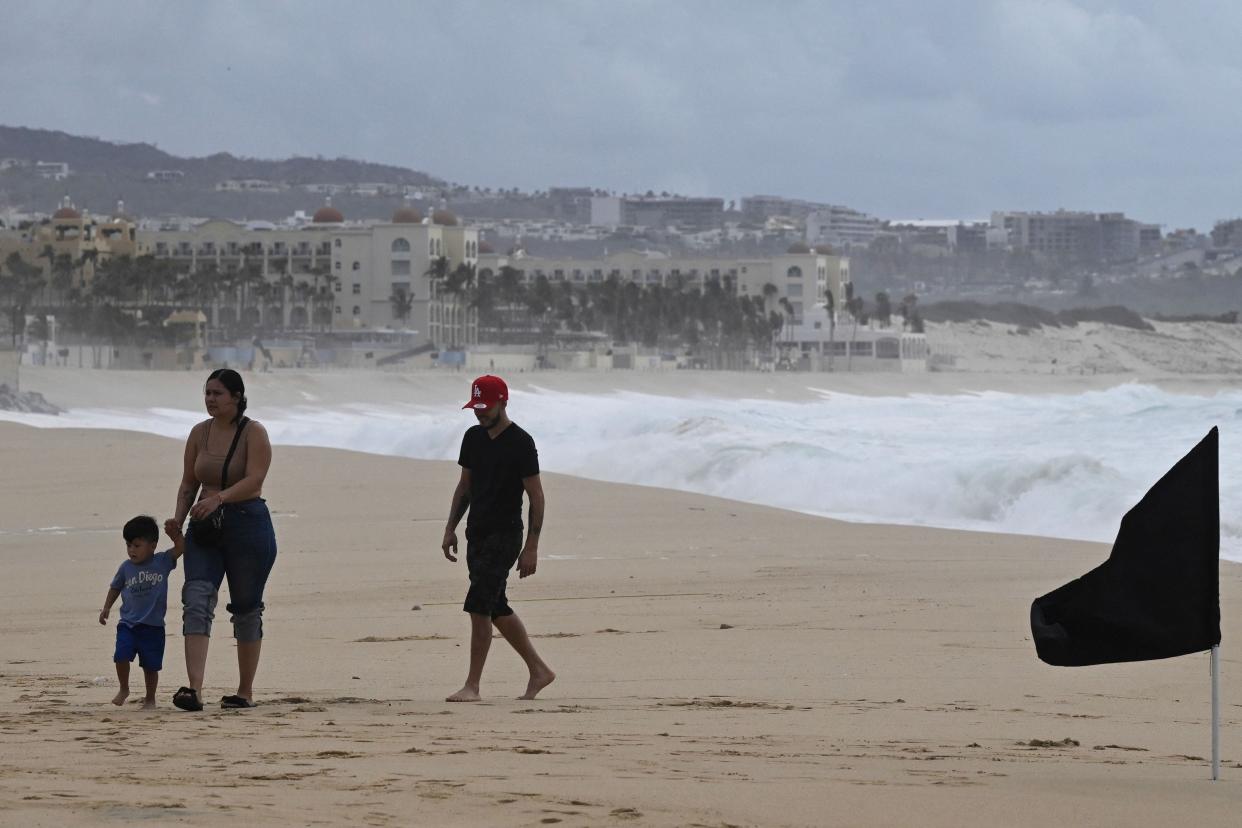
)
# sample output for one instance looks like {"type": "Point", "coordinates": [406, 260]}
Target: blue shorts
{"type": "Point", "coordinates": [143, 640]}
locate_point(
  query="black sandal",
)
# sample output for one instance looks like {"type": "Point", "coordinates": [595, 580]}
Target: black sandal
{"type": "Point", "coordinates": [231, 702]}
{"type": "Point", "coordinates": [186, 698]}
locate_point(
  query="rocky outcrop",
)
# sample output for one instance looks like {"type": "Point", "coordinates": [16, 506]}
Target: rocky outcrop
{"type": "Point", "coordinates": [30, 402]}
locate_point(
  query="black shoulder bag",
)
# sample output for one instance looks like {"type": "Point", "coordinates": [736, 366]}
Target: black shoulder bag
{"type": "Point", "coordinates": [209, 531]}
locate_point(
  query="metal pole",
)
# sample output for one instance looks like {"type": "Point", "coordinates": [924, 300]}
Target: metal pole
{"type": "Point", "coordinates": [1215, 712]}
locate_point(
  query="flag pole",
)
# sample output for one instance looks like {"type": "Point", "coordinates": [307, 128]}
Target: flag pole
{"type": "Point", "coordinates": [1215, 712]}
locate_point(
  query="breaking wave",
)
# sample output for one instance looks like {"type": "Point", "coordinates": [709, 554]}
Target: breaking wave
{"type": "Point", "coordinates": [1054, 465]}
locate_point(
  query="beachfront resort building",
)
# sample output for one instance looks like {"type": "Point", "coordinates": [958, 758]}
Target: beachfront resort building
{"type": "Point", "coordinates": [360, 280]}
{"type": "Point", "coordinates": [71, 243]}
{"type": "Point", "coordinates": [332, 274]}
{"type": "Point", "coordinates": [803, 277]}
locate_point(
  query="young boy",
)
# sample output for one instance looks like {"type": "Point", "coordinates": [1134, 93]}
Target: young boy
{"type": "Point", "coordinates": [142, 584]}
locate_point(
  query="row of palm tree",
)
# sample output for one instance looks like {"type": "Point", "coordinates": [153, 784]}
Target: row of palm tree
{"type": "Point", "coordinates": [712, 319]}
{"type": "Point", "coordinates": [234, 297]}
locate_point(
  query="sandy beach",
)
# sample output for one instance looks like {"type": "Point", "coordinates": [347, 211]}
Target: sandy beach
{"type": "Point", "coordinates": [719, 663]}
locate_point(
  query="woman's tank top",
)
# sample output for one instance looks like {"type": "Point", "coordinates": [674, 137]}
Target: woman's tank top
{"type": "Point", "coordinates": [207, 464]}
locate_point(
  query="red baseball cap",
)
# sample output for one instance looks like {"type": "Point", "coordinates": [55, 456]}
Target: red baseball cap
{"type": "Point", "coordinates": [486, 391]}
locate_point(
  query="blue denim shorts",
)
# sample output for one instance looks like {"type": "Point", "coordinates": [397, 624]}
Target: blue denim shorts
{"type": "Point", "coordinates": [143, 640]}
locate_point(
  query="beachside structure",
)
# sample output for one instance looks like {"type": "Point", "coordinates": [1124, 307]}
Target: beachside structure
{"type": "Point", "coordinates": [802, 276]}
{"type": "Point", "coordinates": [823, 341]}
{"type": "Point", "coordinates": [383, 279]}
{"type": "Point", "coordinates": [74, 239]}
{"type": "Point", "coordinates": [362, 266]}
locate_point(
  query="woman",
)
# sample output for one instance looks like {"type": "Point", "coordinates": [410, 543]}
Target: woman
{"type": "Point", "coordinates": [245, 547]}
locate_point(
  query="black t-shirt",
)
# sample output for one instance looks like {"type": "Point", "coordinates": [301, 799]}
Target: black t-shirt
{"type": "Point", "coordinates": [497, 468]}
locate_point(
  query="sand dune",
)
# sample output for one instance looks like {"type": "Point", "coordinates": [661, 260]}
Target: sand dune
{"type": "Point", "coordinates": [1173, 350]}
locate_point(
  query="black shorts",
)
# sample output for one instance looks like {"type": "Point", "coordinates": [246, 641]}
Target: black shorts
{"type": "Point", "coordinates": [489, 559]}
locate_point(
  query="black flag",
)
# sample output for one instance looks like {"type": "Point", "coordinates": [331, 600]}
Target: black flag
{"type": "Point", "coordinates": [1158, 594]}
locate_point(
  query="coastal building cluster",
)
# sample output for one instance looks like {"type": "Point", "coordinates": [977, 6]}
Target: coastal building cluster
{"type": "Point", "coordinates": [326, 274]}
{"type": "Point", "coordinates": [417, 274]}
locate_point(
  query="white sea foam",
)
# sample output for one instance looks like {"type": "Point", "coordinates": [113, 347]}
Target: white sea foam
{"type": "Point", "coordinates": [1055, 465]}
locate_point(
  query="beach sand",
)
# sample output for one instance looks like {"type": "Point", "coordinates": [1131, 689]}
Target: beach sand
{"type": "Point", "coordinates": [719, 663]}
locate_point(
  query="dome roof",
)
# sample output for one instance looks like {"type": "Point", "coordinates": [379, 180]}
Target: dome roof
{"type": "Point", "coordinates": [406, 214]}
{"type": "Point", "coordinates": [66, 210]}
{"type": "Point", "coordinates": [327, 214]}
{"type": "Point", "coordinates": [825, 250]}
{"type": "Point", "coordinates": [484, 247]}
{"type": "Point", "coordinates": [798, 247]}
{"type": "Point", "coordinates": [444, 217]}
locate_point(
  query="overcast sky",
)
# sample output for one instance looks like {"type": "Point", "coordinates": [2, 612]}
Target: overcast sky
{"type": "Point", "coordinates": [902, 109]}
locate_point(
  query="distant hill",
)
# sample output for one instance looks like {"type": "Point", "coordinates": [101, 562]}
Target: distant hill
{"type": "Point", "coordinates": [101, 172]}
{"type": "Point", "coordinates": [93, 155]}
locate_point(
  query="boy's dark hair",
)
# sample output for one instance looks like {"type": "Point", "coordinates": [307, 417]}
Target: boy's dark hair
{"type": "Point", "coordinates": [143, 526]}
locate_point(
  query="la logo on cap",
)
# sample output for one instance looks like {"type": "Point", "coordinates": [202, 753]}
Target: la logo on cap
{"type": "Point", "coordinates": [486, 391]}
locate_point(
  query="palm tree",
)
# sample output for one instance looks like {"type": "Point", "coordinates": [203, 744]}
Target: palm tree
{"type": "Point", "coordinates": [111, 283]}
{"type": "Point", "coordinates": [855, 305]}
{"type": "Point", "coordinates": [830, 306]}
{"type": "Point", "coordinates": [325, 299]}
{"type": "Point", "coordinates": [883, 308]}
{"type": "Point", "coordinates": [89, 255]}
{"type": "Point", "coordinates": [303, 292]}
{"type": "Point", "coordinates": [62, 274]}
{"type": "Point", "coordinates": [402, 302]}
{"type": "Point", "coordinates": [19, 287]}
{"type": "Point", "coordinates": [457, 284]}
{"type": "Point", "coordinates": [769, 291]}
{"type": "Point", "coordinates": [249, 277]}
{"type": "Point", "coordinates": [511, 292]}
{"type": "Point", "coordinates": [284, 282]}
{"type": "Point", "coordinates": [49, 253]}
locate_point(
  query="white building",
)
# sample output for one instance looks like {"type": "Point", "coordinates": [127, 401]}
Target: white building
{"type": "Point", "coordinates": [54, 170]}
{"type": "Point", "coordinates": [801, 277]}
{"type": "Point", "coordinates": [840, 227]}
{"type": "Point", "coordinates": [330, 274]}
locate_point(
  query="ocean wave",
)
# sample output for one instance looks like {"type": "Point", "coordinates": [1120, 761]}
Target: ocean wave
{"type": "Point", "coordinates": [1054, 465]}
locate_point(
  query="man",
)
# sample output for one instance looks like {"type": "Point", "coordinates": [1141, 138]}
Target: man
{"type": "Point", "coordinates": [498, 462]}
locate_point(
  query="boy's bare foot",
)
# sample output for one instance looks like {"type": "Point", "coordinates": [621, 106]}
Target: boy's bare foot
{"type": "Point", "coordinates": [120, 697]}
{"type": "Point", "coordinates": [537, 682]}
{"type": "Point", "coordinates": [465, 694]}
{"type": "Point", "coordinates": [148, 704]}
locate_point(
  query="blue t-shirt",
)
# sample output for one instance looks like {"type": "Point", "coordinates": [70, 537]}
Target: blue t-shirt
{"type": "Point", "coordinates": [144, 589]}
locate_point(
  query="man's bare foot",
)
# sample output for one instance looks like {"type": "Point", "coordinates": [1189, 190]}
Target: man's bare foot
{"type": "Point", "coordinates": [148, 704]}
{"type": "Point", "coordinates": [120, 697]}
{"type": "Point", "coordinates": [465, 694]}
{"type": "Point", "coordinates": [537, 682]}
